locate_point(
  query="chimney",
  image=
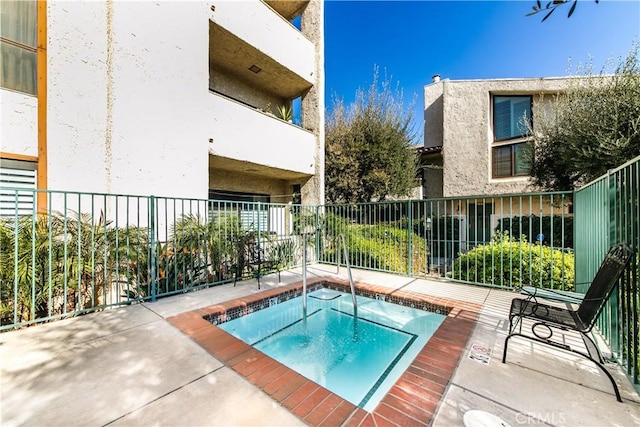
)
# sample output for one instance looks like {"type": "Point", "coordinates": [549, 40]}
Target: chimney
{"type": "Point", "coordinates": [435, 78]}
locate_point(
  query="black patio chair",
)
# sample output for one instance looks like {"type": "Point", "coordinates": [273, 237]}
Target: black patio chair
{"type": "Point", "coordinates": [546, 317]}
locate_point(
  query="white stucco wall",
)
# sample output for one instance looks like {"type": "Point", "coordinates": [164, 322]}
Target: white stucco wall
{"type": "Point", "coordinates": [18, 123]}
{"type": "Point", "coordinates": [243, 133]}
{"type": "Point", "coordinates": [127, 98]}
{"type": "Point", "coordinates": [467, 134]}
{"type": "Point", "coordinates": [257, 24]}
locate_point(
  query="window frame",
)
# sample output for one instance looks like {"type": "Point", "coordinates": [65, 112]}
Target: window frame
{"type": "Point", "coordinates": [510, 142]}
{"type": "Point", "coordinates": [27, 48]}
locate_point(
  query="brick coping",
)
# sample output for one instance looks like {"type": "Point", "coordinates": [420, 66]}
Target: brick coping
{"type": "Point", "coordinates": [412, 400]}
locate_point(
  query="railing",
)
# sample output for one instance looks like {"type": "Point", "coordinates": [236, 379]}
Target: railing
{"type": "Point", "coordinates": [504, 240]}
{"type": "Point", "coordinates": [349, 275]}
{"type": "Point", "coordinates": [92, 251]}
{"type": "Point", "coordinates": [607, 213]}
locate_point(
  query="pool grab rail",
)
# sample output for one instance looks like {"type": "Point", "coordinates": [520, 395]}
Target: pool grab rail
{"type": "Point", "coordinates": [304, 277]}
{"type": "Point", "coordinates": [346, 261]}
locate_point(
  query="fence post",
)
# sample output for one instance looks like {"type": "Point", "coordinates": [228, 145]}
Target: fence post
{"type": "Point", "coordinates": [318, 231]}
{"type": "Point", "coordinates": [614, 238]}
{"type": "Point", "coordinates": [152, 242]}
{"type": "Point", "coordinates": [409, 238]}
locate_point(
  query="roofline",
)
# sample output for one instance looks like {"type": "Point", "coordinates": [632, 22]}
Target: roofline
{"type": "Point", "coordinates": [512, 79]}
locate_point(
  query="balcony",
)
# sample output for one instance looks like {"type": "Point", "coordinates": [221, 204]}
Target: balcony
{"type": "Point", "coordinates": [254, 142]}
{"type": "Point", "coordinates": [251, 35]}
{"type": "Point", "coordinates": [289, 9]}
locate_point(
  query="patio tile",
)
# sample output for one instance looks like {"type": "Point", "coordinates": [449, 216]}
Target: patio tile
{"type": "Point", "coordinates": [323, 410]}
{"type": "Point", "coordinates": [300, 394]}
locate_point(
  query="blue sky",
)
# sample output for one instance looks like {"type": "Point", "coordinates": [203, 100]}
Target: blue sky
{"type": "Point", "coordinates": [413, 40]}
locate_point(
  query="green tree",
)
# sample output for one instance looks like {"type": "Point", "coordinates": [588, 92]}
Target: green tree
{"type": "Point", "coordinates": [369, 154]}
{"type": "Point", "coordinates": [594, 126]}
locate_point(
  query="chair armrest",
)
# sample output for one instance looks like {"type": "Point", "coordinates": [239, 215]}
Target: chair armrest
{"type": "Point", "coordinates": [552, 294]}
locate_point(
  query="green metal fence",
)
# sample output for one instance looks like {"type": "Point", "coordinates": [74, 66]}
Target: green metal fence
{"type": "Point", "coordinates": [91, 251]}
{"type": "Point", "coordinates": [607, 213]}
{"type": "Point", "coordinates": [505, 241]}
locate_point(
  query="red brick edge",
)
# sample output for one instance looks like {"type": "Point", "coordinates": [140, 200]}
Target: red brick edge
{"type": "Point", "coordinates": [412, 400]}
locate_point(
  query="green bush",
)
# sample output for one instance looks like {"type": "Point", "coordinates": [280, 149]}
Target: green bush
{"type": "Point", "coordinates": [531, 226]}
{"type": "Point", "coordinates": [375, 246]}
{"type": "Point", "coordinates": [510, 263]}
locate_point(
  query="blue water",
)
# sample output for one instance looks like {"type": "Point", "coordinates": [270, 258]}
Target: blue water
{"type": "Point", "coordinates": [358, 360]}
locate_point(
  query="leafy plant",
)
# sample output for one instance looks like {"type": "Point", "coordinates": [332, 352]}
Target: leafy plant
{"type": "Point", "coordinates": [594, 127]}
{"type": "Point", "coordinates": [533, 225]}
{"type": "Point", "coordinates": [375, 246]}
{"type": "Point", "coordinates": [511, 263]}
{"type": "Point", "coordinates": [369, 153]}
{"type": "Point", "coordinates": [285, 113]}
{"type": "Point", "coordinates": [53, 264]}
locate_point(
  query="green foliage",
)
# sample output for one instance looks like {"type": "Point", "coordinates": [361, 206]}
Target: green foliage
{"type": "Point", "coordinates": [197, 249]}
{"type": "Point", "coordinates": [375, 246]}
{"type": "Point", "coordinates": [64, 264]}
{"type": "Point", "coordinates": [369, 156]}
{"type": "Point", "coordinates": [443, 237]}
{"type": "Point", "coordinates": [510, 263]}
{"type": "Point", "coordinates": [285, 113]}
{"type": "Point", "coordinates": [595, 126]}
{"type": "Point", "coordinates": [530, 227]}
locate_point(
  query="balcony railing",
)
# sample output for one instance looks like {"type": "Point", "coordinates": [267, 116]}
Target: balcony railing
{"type": "Point", "coordinates": [247, 34]}
{"type": "Point", "coordinates": [243, 133]}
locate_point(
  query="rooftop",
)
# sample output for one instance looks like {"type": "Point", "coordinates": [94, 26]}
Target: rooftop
{"type": "Point", "coordinates": [132, 366]}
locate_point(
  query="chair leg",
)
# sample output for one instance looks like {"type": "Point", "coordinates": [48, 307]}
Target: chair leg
{"type": "Point", "coordinates": [560, 346]}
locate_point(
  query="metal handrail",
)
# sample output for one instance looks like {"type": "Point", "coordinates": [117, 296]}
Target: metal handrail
{"type": "Point", "coordinates": [346, 261]}
{"type": "Point", "coordinates": [304, 276]}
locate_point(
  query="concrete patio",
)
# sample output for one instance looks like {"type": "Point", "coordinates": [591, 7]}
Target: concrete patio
{"type": "Point", "coordinates": [129, 366]}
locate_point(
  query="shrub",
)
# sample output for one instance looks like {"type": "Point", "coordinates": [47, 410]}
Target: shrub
{"type": "Point", "coordinates": [375, 246]}
{"type": "Point", "coordinates": [510, 263]}
{"type": "Point", "coordinates": [532, 225]}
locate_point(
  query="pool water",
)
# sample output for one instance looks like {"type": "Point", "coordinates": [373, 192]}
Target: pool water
{"type": "Point", "coordinates": [358, 360]}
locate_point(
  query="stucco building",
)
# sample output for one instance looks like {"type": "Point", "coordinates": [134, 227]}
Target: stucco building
{"type": "Point", "coordinates": [474, 131]}
{"type": "Point", "coordinates": [196, 99]}
{"type": "Point", "coordinates": [477, 152]}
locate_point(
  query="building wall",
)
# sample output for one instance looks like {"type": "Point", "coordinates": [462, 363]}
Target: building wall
{"type": "Point", "coordinates": [123, 116]}
{"type": "Point", "coordinates": [277, 189]}
{"type": "Point", "coordinates": [231, 86]}
{"type": "Point", "coordinates": [313, 107]}
{"type": "Point", "coordinates": [19, 123]}
{"type": "Point", "coordinates": [242, 133]}
{"type": "Point", "coordinates": [129, 107]}
{"type": "Point", "coordinates": [467, 134]}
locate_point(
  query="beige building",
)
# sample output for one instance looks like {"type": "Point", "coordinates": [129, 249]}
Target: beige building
{"type": "Point", "coordinates": [477, 154]}
{"type": "Point", "coordinates": [477, 127]}
{"type": "Point", "coordinates": [219, 99]}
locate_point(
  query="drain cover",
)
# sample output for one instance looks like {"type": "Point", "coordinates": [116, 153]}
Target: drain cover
{"type": "Point", "coordinates": [477, 418]}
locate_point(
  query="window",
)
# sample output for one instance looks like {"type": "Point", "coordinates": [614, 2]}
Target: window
{"type": "Point", "coordinates": [18, 45]}
{"type": "Point", "coordinates": [511, 152]}
{"type": "Point", "coordinates": [18, 182]}
{"type": "Point", "coordinates": [252, 216]}
{"type": "Point", "coordinates": [512, 160]}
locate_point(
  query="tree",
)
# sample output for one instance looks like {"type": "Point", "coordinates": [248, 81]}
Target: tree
{"type": "Point", "coordinates": [551, 7]}
{"type": "Point", "coordinates": [369, 156]}
{"type": "Point", "coordinates": [594, 126]}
